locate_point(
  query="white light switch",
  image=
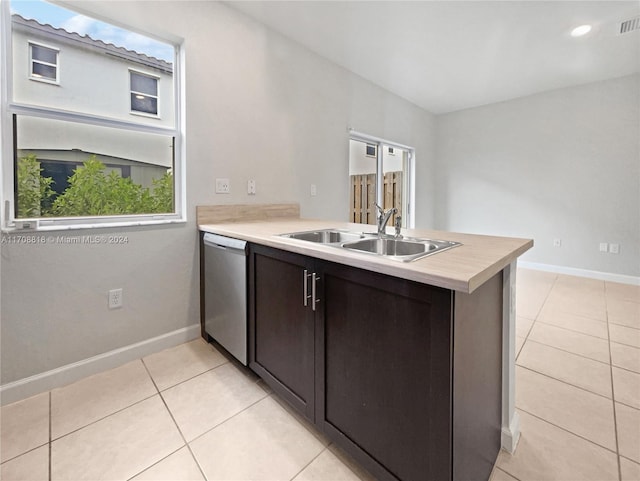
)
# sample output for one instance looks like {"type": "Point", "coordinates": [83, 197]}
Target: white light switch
{"type": "Point", "coordinates": [604, 247]}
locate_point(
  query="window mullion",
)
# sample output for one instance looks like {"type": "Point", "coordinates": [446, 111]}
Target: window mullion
{"type": "Point", "coordinates": [54, 114]}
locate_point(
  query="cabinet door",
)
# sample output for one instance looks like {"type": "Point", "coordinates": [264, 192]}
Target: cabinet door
{"type": "Point", "coordinates": [281, 327]}
{"type": "Point", "coordinates": [384, 389]}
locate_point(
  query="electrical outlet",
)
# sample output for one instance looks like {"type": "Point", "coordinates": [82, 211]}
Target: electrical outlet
{"type": "Point", "coordinates": [251, 187]}
{"type": "Point", "coordinates": [557, 242]}
{"type": "Point", "coordinates": [223, 186]}
{"type": "Point", "coordinates": [614, 248]}
{"type": "Point", "coordinates": [604, 247]}
{"type": "Point", "coordinates": [314, 190]}
{"type": "Point", "coordinates": [115, 298]}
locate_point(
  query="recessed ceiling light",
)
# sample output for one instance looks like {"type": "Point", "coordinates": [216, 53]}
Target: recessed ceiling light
{"type": "Point", "coordinates": [581, 30]}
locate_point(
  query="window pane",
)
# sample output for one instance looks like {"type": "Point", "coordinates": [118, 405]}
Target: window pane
{"type": "Point", "coordinates": [70, 169]}
{"type": "Point", "coordinates": [395, 170]}
{"type": "Point", "coordinates": [44, 54]}
{"type": "Point", "coordinates": [362, 183]}
{"type": "Point", "coordinates": [45, 71]}
{"type": "Point", "coordinates": [144, 84]}
{"type": "Point", "coordinates": [140, 103]}
{"type": "Point", "coordinates": [366, 182]}
{"type": "Point", "coordinates": [95, 74]}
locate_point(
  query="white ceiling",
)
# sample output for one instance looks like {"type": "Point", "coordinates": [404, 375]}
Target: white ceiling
{"type": "Point", "coordinates": [452, 55]}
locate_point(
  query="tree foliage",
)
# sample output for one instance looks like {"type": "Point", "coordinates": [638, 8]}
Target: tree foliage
{"type": "Point", "coordinates": [94, 192]}
{"type": "Point", "coordinates": [34, 190]}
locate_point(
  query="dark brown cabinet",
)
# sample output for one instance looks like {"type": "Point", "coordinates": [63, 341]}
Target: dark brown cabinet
{"type": "Point", "coordinates": [385, 387]}
{"type": "Point", "coordinates": [377, 363]}
{"type": "Point", "coordinates": [281, 327]}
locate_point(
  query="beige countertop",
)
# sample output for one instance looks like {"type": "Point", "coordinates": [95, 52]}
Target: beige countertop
{"type": "Point", "coordinates": [463, 268]}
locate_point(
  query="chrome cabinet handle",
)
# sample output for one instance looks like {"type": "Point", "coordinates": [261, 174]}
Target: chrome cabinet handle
{"type": "Point", "coordinates": [305, 288]}
{"type": "Point", "coordinates": [313, 292]}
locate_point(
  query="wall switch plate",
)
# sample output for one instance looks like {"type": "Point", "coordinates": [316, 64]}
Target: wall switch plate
{"type": "Point", "coordinates": [251, 187]}
{"type": "Point", "coordinates": [614, 248]}
{"type": "Point", "coordinates": [115, 298]}
{"type": "Point", "coordinates": [557, 242]}
{"type": "Point", "coordinates": [223, 186]}
{"type": "Point", "coordinates": [604, 247]}
{"type": "Point", "coordinates": [314, 190]}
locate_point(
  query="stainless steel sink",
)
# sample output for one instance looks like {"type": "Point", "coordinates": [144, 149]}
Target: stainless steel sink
{"type": "Point", "coordinates": [325, 236]}
{"type": "Point", "coordinates": [401, 249]}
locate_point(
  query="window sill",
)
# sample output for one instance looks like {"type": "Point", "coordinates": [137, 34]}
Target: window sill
{"type": "Point", "coordinates": [146, 115]}
{"type": "Point", "coordinates": [92, 223]}
{"type": "Point", "coordinates": [45, 80]}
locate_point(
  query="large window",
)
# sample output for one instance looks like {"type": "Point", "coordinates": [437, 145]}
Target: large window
{"type": "Point", "coordinates": [75, 156]}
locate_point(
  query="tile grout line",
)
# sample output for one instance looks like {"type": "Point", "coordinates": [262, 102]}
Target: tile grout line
{"type": "Point", "coordinates": [309, 463]}
{"type": "Point", "coordinates": [526, 338]}
{"type": "Point", "coordinates": [565, 382]}
{"type": "Point", "coordinates": [568, 431]}
{"type": "Point", "coordinates": [103, 418]}
{"type": "Point", "coordinates": [154, 464]}
{"type": "Point", "coordinates": [508, 473]}
{"type": "Point", "coordinates": [570, 352]}
{"type": "Point", "coordinates": [573, 330]}
{"type": "Point", "coordinates": [613, 392]}
{"type": "Point", "coordinates": [30, 450]}
{"type": "Point", "coordinates": [132, 404]}
{"type": "Point", "coordinates": [175, 423]}
{"type": "Point", "coordinates": [266, 395]}
{"type": "Point", "coordinates": [546, 298]}
{"type": "Point", "coordinates": [187, 379]}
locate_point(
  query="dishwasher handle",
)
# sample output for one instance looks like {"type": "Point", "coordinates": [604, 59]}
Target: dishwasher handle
{"type": "Point", "coordinates": [222, 242]}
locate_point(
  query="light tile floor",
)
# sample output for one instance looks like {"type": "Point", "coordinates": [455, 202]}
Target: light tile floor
{"type": "Point", "coordinates": [188, 414]}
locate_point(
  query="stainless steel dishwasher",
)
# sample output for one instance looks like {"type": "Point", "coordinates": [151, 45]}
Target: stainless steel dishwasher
{"type": "Point", "coordinates": [225, 293]}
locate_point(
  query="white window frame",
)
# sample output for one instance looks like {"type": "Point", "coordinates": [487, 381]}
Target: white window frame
{"type": "Point", "coordinates": [382, 144]}
{"type": "Point", "coordinates": [9, 108]}
{"type": "Point", "coordinates": [32, 60]}
{"type": "Point", "coordinates": [157, 97]}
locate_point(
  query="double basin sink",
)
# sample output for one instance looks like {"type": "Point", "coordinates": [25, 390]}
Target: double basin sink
{"type": "Point", "coordinates": [403, 249]}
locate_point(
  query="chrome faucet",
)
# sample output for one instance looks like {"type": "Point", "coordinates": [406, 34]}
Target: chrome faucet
{"type": "Point", "coordinates": [383, 218]}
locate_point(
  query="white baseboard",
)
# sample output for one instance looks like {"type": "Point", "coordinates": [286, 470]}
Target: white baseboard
{"type": "Point", "coordinates": [30, 386]}
{"type": "Point", "coordinates": [572, 271]}
{"type": "Point", "coordinates": [511, 435]}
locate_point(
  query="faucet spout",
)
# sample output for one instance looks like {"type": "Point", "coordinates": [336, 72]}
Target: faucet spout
{"type": "Point", "coordinates": [383, 218]}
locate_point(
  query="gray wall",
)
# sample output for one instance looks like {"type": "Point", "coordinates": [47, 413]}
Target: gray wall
{"type": "Point", "coordinates": [257, 106]}
{"type": "Point", "coordinates": [561, 164]}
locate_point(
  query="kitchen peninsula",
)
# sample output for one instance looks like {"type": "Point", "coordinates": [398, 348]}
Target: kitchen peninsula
{"type": "Point", "coordinates": [408, 366]}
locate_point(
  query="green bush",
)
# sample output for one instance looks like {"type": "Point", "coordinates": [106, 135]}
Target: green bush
{"type": "Point", "coordinates": [34, 190]}
{"type": "Point", "coordinates": [163, 194]}
{"type": "Point", "coordinates": [91, 192]}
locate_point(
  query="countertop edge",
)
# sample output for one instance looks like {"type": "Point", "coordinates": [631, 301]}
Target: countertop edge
{"type": "Point", "coordinates": [363, 261]}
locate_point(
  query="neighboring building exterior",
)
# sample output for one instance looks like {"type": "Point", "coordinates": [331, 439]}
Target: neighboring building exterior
{"type": "Point", "coordinates": [69, 72]}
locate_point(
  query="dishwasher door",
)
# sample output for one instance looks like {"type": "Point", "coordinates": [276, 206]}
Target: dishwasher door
{"type": "Point", "coordinates": [225, 293]}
